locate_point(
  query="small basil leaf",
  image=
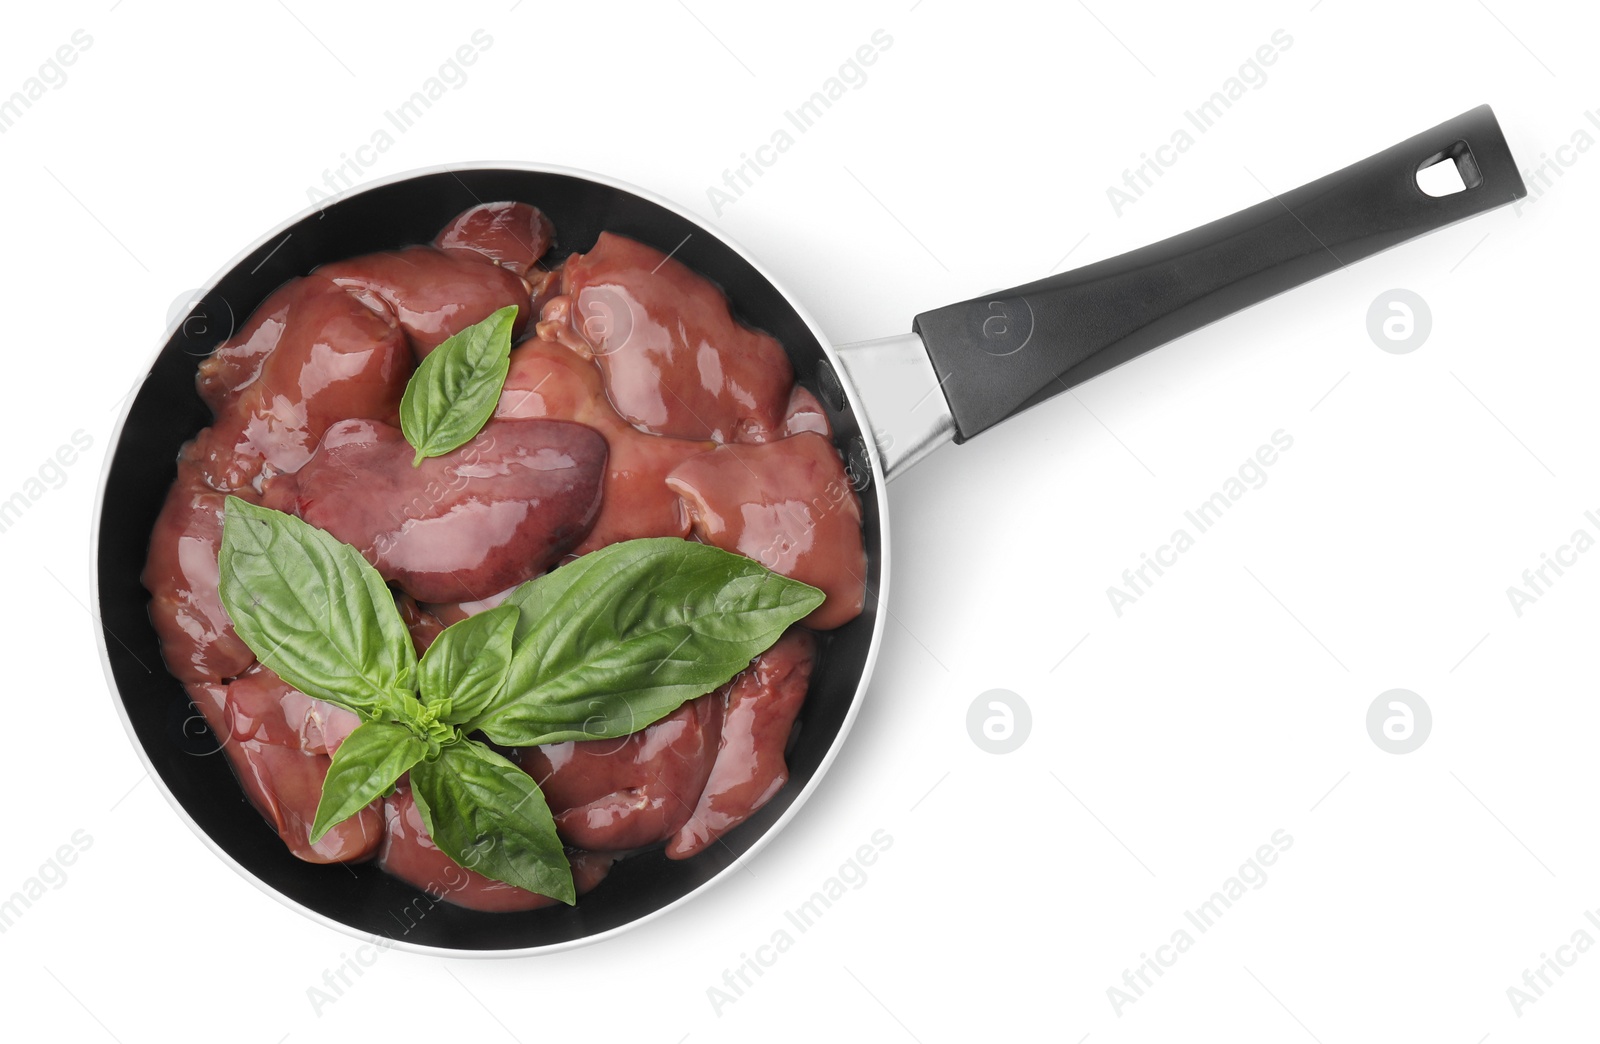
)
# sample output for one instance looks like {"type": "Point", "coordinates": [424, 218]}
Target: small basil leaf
{"type": "Point", "coordinates": [625, 635]}
{"type": "Point", "coordinates": [467, 663]}
{"type": "Point", "coordinates": [364, 768]}
{"type": "Point", "coordinates": [312, 609]}
{"type": "Point", "coordinates": [489, 816]}
{"type": "Point", "coordinates": [454, 391]}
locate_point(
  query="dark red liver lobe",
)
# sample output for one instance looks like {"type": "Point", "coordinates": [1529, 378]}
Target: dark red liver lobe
{"type": "Point", "coordinates": [549, 380]}
{"type": "Point", "coordinates": [410, 854]}
{"type": "Point", "coordinates": [790, 506]}
{"type": "Point", "coordinates": [676, 362]}
{"type": "Point", "coordinates": [617, 794]}
{"type": "Point", "coordinates": [761, 705]}
{"type": "Point", "coordinates": [423, 623]}
{"type": "Point", "coordinates": [197, 637]}
{"type": "Point", "coordinates": [311, 355]}
{"type": "Point", "coordinates": [284, 783]}
{"type": "Point", "coordinates": [434, 294]}
{"type": "Point", "coordinates": [262, 706]}
{"type": "Point", "coordinates": [512, 235]}
{"type": "Point", "coordinates": [482, 518]}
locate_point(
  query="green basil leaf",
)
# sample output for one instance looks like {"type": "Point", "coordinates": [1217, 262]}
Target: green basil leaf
{"type": "Point", "coordinates": [467, 663]}
{"type": "Point", "coordinates": [625, 635]}
{"type": "Point", "coordinates": [454, 391]}
{"type": "Point", "coordinates": [364, 768]}
{"type": "Point", "coordinates": [489, 816]}
{"type": "Point", "coordinates": [312, 609]}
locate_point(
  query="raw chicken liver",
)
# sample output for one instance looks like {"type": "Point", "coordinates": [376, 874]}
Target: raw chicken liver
{"type": "Point", "coordinates": [410, 854]}
{"type": "Point", "coordinates": [512, 235]}
{"type": "Point", "coordinates": [676, 362]}
{"type": "Point", "coordinates": [434, 294]}
{"type": "Point", "coordinates": [318, 355]}
{"type": "Point", "coordinates": [197, 637]}
{"type": "Point", "coordinates": [643, 407]}
{"type": "Point", "coordinates": [548, 380]}
{"type": "Point", "coordinates": [477, 520]}
{"type": "Point", "coordinates": [262, 706]}
{"type": "Point", "coordinates": [761, 705]}
{"type": "Point", "coordinates": [617, 794]}
{"type": "Point", "coordinates": [790, 506]}
{"type": "Point", "coordinates": [284, 783]}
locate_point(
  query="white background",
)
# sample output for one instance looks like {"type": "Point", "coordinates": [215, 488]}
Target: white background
{"type": "Point", "coordinates": [1226, 704]}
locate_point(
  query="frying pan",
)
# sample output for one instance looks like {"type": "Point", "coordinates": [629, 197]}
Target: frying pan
{"type": "Point", "coordinates": [962, 369]}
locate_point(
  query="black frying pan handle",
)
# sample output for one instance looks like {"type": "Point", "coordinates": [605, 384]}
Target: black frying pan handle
{"type": "Point", "coordinates": [999, 354]}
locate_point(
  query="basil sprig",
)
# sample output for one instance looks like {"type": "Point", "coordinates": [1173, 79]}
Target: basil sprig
{"type": "Point", "coordinates": [454, 391]}
{"type": "Point", "coordinates": [599, 648]}
{"type": "Point", "coordinates": [622, 637]}
{"type": "Point", "coordinates": [365, 766]}
{"type": "Point", "coordinates": [463, 795]}
{"type": "Point", "coordinates": [330, 630]}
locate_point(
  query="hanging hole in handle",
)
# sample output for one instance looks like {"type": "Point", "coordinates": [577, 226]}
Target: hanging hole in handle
{"type": "Point", "coordinates": [1435, 177]}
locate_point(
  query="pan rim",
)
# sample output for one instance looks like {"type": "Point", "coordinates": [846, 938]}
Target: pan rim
{"type": "Point", "coordinates": [878, 598]}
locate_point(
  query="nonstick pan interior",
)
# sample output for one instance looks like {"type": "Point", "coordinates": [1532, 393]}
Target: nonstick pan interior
{"type": "Point", "coordinates": [167, 411]}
